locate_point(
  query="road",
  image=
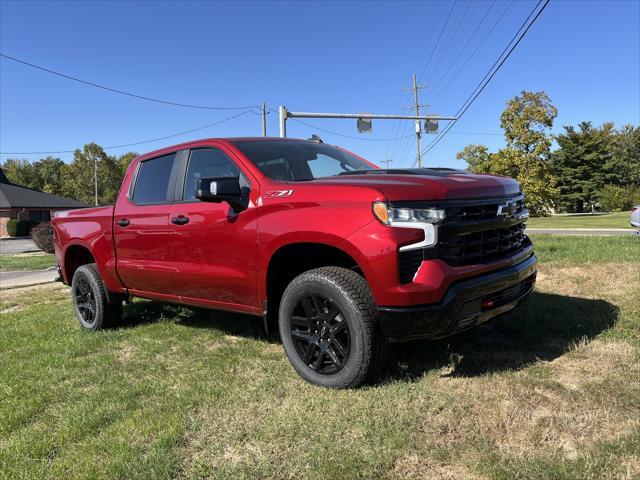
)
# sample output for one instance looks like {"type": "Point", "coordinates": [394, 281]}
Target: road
{"type": "Point", "coordinates": [606, 232]}
{"type": "Point", "coordinates": [17, 245]}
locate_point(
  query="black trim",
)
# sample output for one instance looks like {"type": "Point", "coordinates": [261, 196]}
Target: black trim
{"type": "Point", "coordinates": [180, 181]}
{"type": "Point", "coordinates": [181, 163]}
{"type": "Point", "coordinates": [170, 193]}
{"type": "Point", "coordinates": [461, 307]}
{"type": "Point", "coordinates": [480, 225]}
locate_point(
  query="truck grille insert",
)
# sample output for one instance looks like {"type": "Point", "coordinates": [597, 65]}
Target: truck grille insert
{"type": "Point", "coordinates": [481, 247]}
{"type": "Point", "coordinates": [483, 211]}
{"type": "Point", "coordinates": [476, 231]}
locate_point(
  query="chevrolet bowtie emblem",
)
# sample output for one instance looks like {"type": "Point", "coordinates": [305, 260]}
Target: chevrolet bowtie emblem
{"type": "Point", "coordinates": [507, 209]}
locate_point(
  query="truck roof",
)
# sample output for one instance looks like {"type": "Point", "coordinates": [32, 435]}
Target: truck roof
{"type": "Point", "coordinates": [220, 139]}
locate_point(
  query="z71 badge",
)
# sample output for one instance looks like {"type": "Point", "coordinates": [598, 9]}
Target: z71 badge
{"type": "Point", "coordinates": [278, 193]}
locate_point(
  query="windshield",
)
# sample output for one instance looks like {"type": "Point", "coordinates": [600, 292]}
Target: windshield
{"type": "Point", "coordinates": [289, 160]}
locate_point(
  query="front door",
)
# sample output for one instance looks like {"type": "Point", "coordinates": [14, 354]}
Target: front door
{"type": "Point", "coordinates": [141, 226]}
{"type": "Point", "coordinates": [213, 248]}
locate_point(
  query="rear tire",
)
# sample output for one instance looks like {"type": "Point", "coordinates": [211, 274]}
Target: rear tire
{"type": "Point", "coordinates": [329, 328]}
{"type": "Point", "coordinates": [94, 308]}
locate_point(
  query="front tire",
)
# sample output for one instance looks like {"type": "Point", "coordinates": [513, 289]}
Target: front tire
{"type": "Point", "coordinates": [328, 327]}
{"type": "Point", "coordinates": [91, 302]}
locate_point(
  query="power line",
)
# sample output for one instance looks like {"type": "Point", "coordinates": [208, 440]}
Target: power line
{"type": "Point", "coordinates": [121, 92]}
{"type": "Point", "coordinates": [490, 74]}
{"type": "Point", "coordinates": [400, 128]}
{"type": "Point", "coordinates": [466, 44]}
{"type": "Point", "coordinates": [111, 147]}
{"type": "Point", "coordinates": [450, 42]}
{"type": "Point", "coordinates": [438, 41]}
{"type": "Point", "coordinates": [404, 148]}
{"type": "Point", "coordinates": [455, 75]}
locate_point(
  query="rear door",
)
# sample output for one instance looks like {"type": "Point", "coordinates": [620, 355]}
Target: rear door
{"type": "Point", "coordinates": [213, 248]}
{"type": "Point", "coordinates": [141, 226]}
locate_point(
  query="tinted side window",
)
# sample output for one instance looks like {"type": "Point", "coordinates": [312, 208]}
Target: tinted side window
{"type": "Point", "coordinates": [207, 162]}
{"type": "Point", "coordinates": [152, 184]}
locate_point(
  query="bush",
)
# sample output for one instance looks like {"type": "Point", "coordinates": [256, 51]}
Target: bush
{"type": "Point", "coordinates": [617, 199]}
{"type": "Point", "coordinates": [17, 228]}
{"type": "Point", "coordinates": [42, 236]}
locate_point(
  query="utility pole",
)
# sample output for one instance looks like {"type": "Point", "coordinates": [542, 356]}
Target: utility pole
{"type": "Point", "coordinates": [416, 104]}
{"type": "Point", "coordinates": [264, 119]}
{"type": "Point", "coordinates": [386, 161]}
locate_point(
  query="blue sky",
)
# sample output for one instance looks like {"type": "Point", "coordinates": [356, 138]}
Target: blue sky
{"type": "Point", "coordinates": [309, 56]}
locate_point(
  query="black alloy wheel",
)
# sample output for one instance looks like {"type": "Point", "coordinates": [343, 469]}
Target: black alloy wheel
{"type": "Point", "coordinates": [94, 306]}
{"type": "Point", "coordinates": [329, 329]}
{"type": "Point", "coordinates": [320, 334]}
{"type": "Point", "coordinates": [85, 301]}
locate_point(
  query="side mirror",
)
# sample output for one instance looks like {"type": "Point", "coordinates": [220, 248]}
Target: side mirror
{"type": "Point", "coordinates": [222, 189]}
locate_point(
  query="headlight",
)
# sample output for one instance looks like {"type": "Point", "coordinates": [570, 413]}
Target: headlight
{"type": "Point", "coordinates": [423, 218]}
{"type": "Point", "coordinates": [390, 215]}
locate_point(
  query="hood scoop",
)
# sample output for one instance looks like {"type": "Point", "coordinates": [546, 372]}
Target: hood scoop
{"type": "Point", "coordinates": [432, 172]}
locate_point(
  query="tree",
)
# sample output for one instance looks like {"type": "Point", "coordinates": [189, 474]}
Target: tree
{"type": "Point", "coordinates": [74, 180]}
{"type": "Point", "coordinates": [49, 174]}
{"type": "Point", "coordinates": [19, 172]}
{"type": "Point", "coordinates": [582, 164]}
{"type": "Point", "coordinates": [526, 120]}
{"type": "Point", "coordinates": [78, 179]}
{"type": "Point", "coordinates": [477, 157]}
{"type": "Point", "coordinates": [589, 159]}
{"type": "Point", "coordinates": [613, 198]}
{"type": "Point", "coordinates": [623, 167]}
{"type": "Point", "coordinates": [124, 161]}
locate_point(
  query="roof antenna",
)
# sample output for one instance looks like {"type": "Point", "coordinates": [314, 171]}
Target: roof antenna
{"type": "Point", "coordinates": [316, 138]}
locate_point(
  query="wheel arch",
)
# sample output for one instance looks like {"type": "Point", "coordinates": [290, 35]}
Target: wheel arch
{"type": "Point", "coordinates": [293, 258]}
{"type": "Point", "coordinates": [75, 255]}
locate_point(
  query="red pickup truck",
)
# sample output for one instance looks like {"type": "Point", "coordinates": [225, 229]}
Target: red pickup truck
{"type": "Point", "coordinates": [342, 255]}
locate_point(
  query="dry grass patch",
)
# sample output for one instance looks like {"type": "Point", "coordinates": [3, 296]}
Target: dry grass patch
{"type": "Point", "coordinates": [24, 297]}
{"type": "Point", "coordinates": [604, 280]}
{"type": "Point", "coordinates": [517, 416]}
{"type": "Point", "coordinates": [415, 466]}
{"type": "Point", "coordinates": [597, 362]}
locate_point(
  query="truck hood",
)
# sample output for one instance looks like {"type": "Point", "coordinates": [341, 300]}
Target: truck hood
{"type": "Point", "coordinates": [427, 184]}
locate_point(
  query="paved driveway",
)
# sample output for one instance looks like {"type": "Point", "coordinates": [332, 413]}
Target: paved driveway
{"type": "Point", "coordinates": [17, 245]}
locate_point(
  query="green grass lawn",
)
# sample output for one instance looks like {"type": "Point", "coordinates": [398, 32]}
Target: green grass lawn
{"type": "Point", "coordinates": [606, 220]}
{"type": "Point", "coordinates": [578, 249]}
{"type": "Point", "coordinates": [26, 262]}
{"type": "Point", "coordinates": [549, 391]}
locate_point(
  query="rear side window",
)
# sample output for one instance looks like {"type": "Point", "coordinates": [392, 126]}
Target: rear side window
{"type": "Point", "coordinates": [152, 184]}
{"type": "Point", "coordinates": [207, 162]}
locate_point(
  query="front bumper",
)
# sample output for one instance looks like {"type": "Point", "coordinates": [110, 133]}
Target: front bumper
{"type": "Point", "coordinates": [466, 304]}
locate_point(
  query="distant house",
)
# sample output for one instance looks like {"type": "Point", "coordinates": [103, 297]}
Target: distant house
{"type": "Point", "coordinates": [23, 203]}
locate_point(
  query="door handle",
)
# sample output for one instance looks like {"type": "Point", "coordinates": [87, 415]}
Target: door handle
{"type": "Point", "coordinates": [123, 222]}
{"type": "Point", "coordinates": [180, 220]}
